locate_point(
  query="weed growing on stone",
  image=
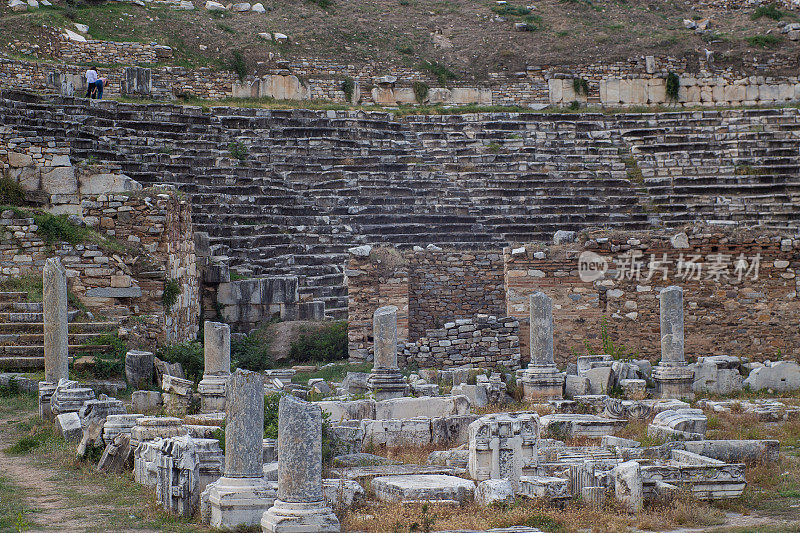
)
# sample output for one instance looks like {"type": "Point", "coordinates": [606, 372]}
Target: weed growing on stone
{"type": "Point", "coordinates": [11, 192]}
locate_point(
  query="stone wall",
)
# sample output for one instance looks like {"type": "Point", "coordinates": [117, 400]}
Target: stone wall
{"type": "Point", "coordinates": [446, 285]}
{"type": "Point", "coordinates": [640, 80]}
{"type": "Point", "coordinates": [113, 53]}
{"type": "Point", "coordinates": [741, 292]}
{"type": "Point", "coordinates": [483, 341]}
{"type": "Point", "coordinates": [151, 245]}
{"type": "Point", "coordinates": [374, 278]}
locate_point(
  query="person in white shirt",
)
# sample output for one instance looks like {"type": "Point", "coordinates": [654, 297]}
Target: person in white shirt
{"type": "Point", "coordinates": [91, 80]}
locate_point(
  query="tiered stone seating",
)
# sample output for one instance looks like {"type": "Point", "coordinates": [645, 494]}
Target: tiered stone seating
{"type": "Point", "coordinates": [733, 166]}
{"type": "Point", "coordinates": [314, 183]}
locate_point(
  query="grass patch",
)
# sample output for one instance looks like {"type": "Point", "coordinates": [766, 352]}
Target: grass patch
{"type": "Point", "coordinates": [334, 372]}
{"type": "Point", "coordinates": [764, 41]}
{"type": "Point", "coordinates": [14, 514]}
{"type": "Point", "coordinates": [770, 11]}
{"type": "Point", "coordinates": [11, 192]}
{"type": "Point", "coordinates": [251, 352]}
{"type": "Point", "coordinates": [169, 297]}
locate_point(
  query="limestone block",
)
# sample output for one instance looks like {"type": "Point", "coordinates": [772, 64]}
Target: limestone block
{"type": "Point", "coordinates": [17, 160]}
{"type": "Point", "coordinates": [612, 92]}
{"type": "Point", "coordinates": [503, 446]}
{"type": "Point", "coordinates": [477, 394]}
{"type": "Point", "coordinates": [138, 368]}
{"type": "Point", "coordinates": [555, 88]}
{"type": "Point", "coordinates": [599, 379]}
{"type": "Point", "coordinates": [549, 487]}
{"type": "Point", "coordinates": [638, 91]}
{"type": "Point", "coordinates": [145, 401]}
{"type": "Point", "coordinates": [341, 493]}
{"type": "Point", "coordinates": [59, 180]}
{"type": "Point", "coordinates": [283, 87]}
{"type": "Point", "coordinates": [679, 424]}
{"type": "Point", "coordinates": [779, 376]}
{"type": "Point", "coordinates": [423, 488]}
{"type": "Point", "coordinates": [468, 95]}
{"type": "Point", "coordinates": [577, 386]}
{"type": "Point", "coordinates": [429, 407]}
{"type": "Point", "coordinates": [657, 91]}
{"type": "Point", "coordinates": [348, 410]}
{"type": "Point", "coordinates": [625, 91]}
{"type": "Point", "coordinates": [709, 378]}
{"type": "Point", "coordinates": [494, 491]}
{"type": "Point", "coordinates": [69, 426]}
{"type": "Point", "coordinates": [628, 486]}
{"type": "Point", "coordinates": [107, 183]}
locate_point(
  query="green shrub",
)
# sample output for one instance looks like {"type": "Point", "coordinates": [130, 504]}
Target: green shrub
{"type": "Point", "coordinates": [111, 361]}
{"type": "Point", "coordinates": [324, 345]}
{"type": "Point", "coordinates": [348, 88]}
{"type": "Point", "coordinates": [238, 64]}
{"type": "Point", "coordinates": [11, 192]}
{"type": "Point", "coordinates": [189, 355]}
{"type": "Point", "coordinates": [673, 84]}
{"type": "Point", "coordinates": [420, 91]}
{"type": "Point", "coordinates": [250, 353]}
{"type": "Point", "coordinates": [170, 295]}
{"type": "Point", "coordinates": [271, 403]}
{"type": "Point", "coordinates": [442, 73]}
{"type": "Point", "coordinates": [764, 41]}
{"type": "Point", "coordinates": [238, 150]}
{"type": "Point", "coordinates": [771, 11]}
{"type": "Point", "coordinates": [580, 86]}
{"type": "Point", "coordinates": [574, 105]}
{"type": "Point", "coordinates": [324, 4]}
{"type": "Point", "coordinates": [58, 228]}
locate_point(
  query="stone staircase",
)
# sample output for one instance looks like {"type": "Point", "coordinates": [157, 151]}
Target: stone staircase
{"type": "Point", "coordinates": [22, 332]}
{"type": "Point", "coordinates": [310, 184]}
{"type": "Point", "coordinates": [727, 166]}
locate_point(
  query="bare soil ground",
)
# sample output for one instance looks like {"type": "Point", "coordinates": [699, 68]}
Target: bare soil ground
{"type": "Point", "coordinates": [461, 35]}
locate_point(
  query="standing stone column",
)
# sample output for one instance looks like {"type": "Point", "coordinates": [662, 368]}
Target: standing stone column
{"type": "Point", "coordinates": [217, 354]}
{"type": "Point", "coordinates": [386, 381]}
{"type": "Point", "coordinates": [673, 376]}
{"type": "Point", "coordinates": [300, 507]}
{"type": "Point", "coordinates": [241, 495]}
{"type": "Point", "coordinates": [542, 380]}
{"type": "Point", "coordinates": [56, 332]}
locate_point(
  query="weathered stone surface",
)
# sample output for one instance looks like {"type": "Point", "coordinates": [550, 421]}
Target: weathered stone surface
{"type": "Point", "coordinates": [56, 335]}
{"type": "Point", "coordinates": [385, 381]}
{"type": "Point", "coordinates": [577, 425]}
{"type": "Point", "coordinates": [217, 355]}
{"type": "Point", "coordinates": [426, 406]}
{"type": "Point", "coordinates": [348, 410]}
{"type": "Point", "coordinates": [628, 489]}
{"type": "Point", "coordinates": [549, 487]}
{"type": "Point", "coordinates": [118, 455]}
{"type": "Point", "coordinates": [300, 506]}
{"type": "Point", "coordinates": [341, 493]}
{"type": "Point", "coordinates": [139, 368]}
{"type": "Point", "coordinates": [477, 394]}
{"type": "Point", "coordinates": [542, 380]}
{"type": "Point", "coordinates": [779, 376]}
{"type": "Point", "coordinates": [494, 491]}
{"type": "Point", "coordinates": [736, 451]}
{"type": "Point", "coordinates": [69, 426]}
{"type": "Point", "coordinates": [242, 495]}
{"type": "Point", "coordinates": [423, 488]}
{"type": "Point", "coordinates": [679, 424]}
{"type": "Point", "coordinates": [504, 446]}
{"type": "Point", "coordinates": [145, 401]}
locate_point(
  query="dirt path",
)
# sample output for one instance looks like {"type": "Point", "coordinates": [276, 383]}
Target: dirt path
{"type": "Point", "coordinates": [54, 509]}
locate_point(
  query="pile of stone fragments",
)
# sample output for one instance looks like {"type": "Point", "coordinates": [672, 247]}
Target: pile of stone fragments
{"type": "Point", "coordinates": [566, 448]}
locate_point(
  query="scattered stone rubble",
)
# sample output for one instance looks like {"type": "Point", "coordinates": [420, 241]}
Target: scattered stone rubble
{"type": "Point", "coordinates": [568, 453]}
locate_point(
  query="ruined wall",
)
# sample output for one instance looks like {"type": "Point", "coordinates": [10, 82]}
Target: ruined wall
{"type": "Point", "coordinates": [482, 341]}
{"type": "Point", "coordinates": [113, 53]}
{"type": "Point", "coordinates": [741, 292]}
{"type": "Point", "coordinates": [149, 237]}
{"type": "Point", "coordinates": [374, 278]}
{"type": "Point", "coordinates": [445, 285]}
